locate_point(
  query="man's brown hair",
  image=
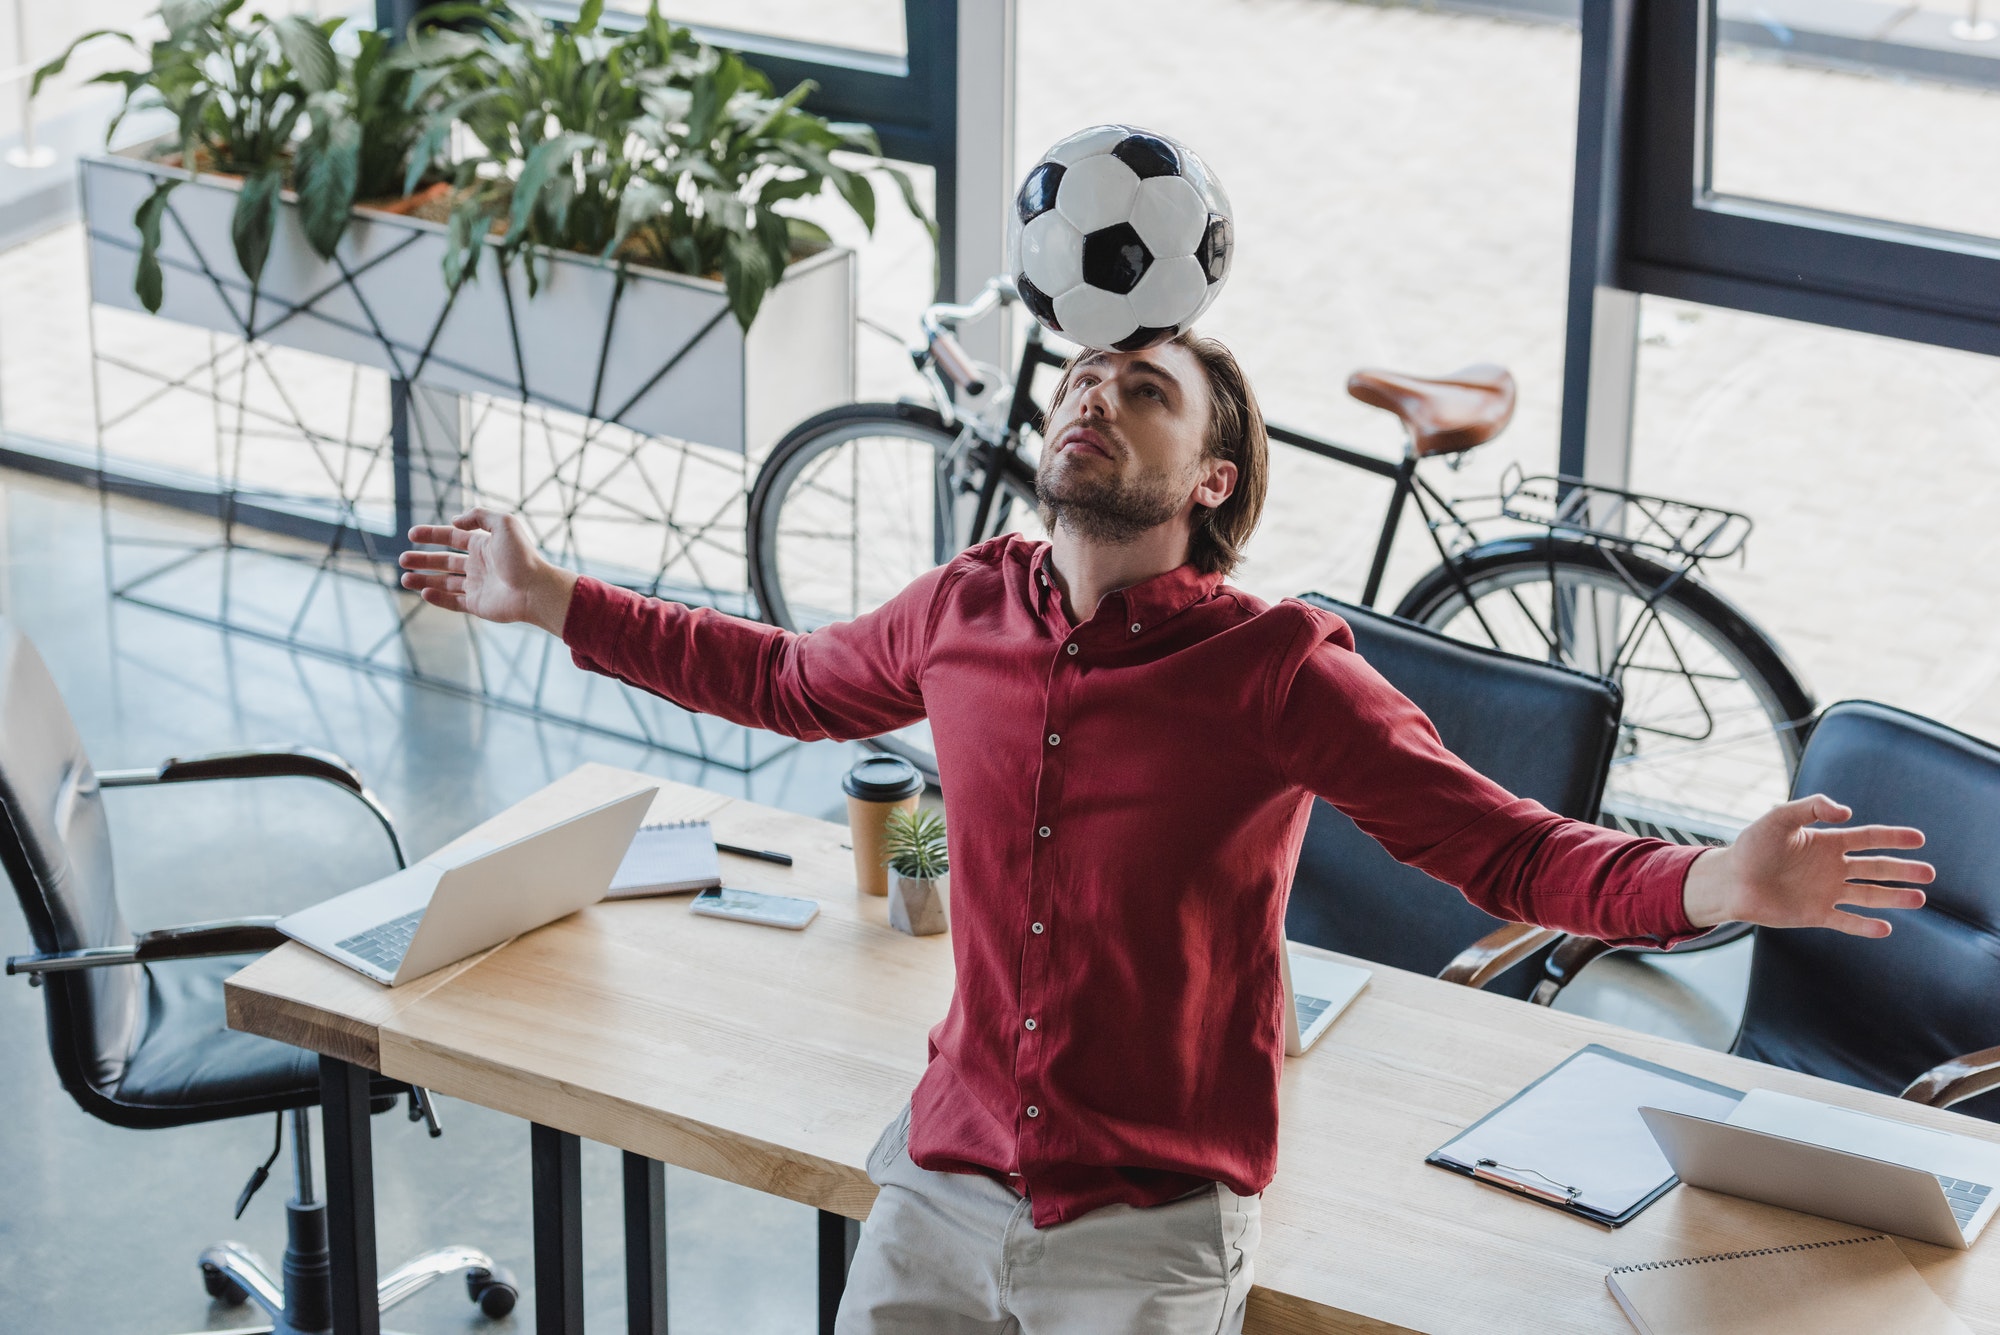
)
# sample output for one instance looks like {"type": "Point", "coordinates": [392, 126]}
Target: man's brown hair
{"type": "Point", "coordinates": [1236, 433]}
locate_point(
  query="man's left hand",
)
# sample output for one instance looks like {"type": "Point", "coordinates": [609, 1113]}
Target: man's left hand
{"type": "Point", "coordinates": [1782, 872]}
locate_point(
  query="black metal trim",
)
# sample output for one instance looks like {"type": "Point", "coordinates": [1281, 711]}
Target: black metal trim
{"type": "Point", "coordinates": [838, 1236]}
{"type": "Point", "coordinates": [557, 1158]}
{"type": "Point", "coordinates": [645, 1245]}
{"type": "Point", "coordinates": [350, 1196]}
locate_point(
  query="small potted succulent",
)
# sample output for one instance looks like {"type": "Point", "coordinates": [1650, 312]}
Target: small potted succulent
{"type": "Point", "coordinates": [919, 869]}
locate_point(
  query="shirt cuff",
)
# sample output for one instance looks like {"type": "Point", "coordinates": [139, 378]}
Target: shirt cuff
{"type": "Point", "coordinates": [1670, 908]}
{"type": "Point", "coordinates": [590, 627]}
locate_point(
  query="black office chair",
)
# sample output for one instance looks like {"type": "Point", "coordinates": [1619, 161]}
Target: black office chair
{"type": "Point", "coordinates": [136, 1021]}
{"type": "Point", "coordinates": [1918, 1013]}
{"type": "Point", "coordinates": [1538, 730]}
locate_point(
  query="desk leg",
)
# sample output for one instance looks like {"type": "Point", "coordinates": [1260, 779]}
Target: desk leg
{"type": "Point", "coordinates": [350, 1196]}
{"type": "Point", "coordinates": [837, 1238]}
{"type": "Point", "coordinates": [558, 1174]}
{"type": "Point", "coordinates": [645, 1245]}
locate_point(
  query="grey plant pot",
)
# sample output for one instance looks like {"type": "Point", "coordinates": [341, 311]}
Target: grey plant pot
{"type": "Point", "coordinates": [917, 903]}
{"type": "Point", "coordinates": [662, 356]}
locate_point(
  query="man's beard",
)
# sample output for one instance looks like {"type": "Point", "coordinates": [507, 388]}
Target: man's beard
{"type": "Point", "coordinates": [1111, 510]}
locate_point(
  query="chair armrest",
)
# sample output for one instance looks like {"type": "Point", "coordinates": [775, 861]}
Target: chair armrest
{"type": "Point", "coordinates": [232, 936]}
{"type": "Point", "coordinates": [226, 936]}
{"type": "Point", "coordinates": [1496, 952]}
{"type": "Point", "coordinates": [1564, 963]}
{"type": "Point", "coordinates": [1957, 1080]}
{"type": "Point", "coordinates": [301, 762]}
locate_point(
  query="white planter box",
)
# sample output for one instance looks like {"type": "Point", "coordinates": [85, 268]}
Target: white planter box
{"type": "Point", "coordinates": [663, 356]}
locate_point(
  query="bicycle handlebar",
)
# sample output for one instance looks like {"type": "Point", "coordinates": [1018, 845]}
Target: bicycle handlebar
{"type": "Point", "coordinates": [944, 315]}
{"type": "Point", "coordinates": [956, 365]}
{"type": "Point", "coordinates": [941, 318]}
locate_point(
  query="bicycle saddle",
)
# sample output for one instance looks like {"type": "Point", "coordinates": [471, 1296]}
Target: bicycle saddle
{"type": "Point", "coordinates": [1445, 414]}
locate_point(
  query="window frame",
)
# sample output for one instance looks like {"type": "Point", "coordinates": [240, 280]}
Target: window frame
{"type": "Point", "coordinates": [1680, 238]}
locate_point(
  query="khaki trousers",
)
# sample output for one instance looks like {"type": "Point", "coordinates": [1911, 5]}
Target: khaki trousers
{"type": "Point", "coordinates": [956, 1253]}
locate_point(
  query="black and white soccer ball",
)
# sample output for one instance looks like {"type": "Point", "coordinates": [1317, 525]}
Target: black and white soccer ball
{"type": "Point", "coordinates": [1121, 238]}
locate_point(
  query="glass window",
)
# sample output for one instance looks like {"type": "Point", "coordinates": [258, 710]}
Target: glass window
{"type": "Point", "coordinates": [1872, 469]}
{"type": "Point", "coordinates": [860, 25]}
{"type": "Point", "coordinates": [1870, 133]}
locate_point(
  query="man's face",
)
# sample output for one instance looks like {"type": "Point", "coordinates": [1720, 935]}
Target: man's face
{"type": "Point", "coordinates": [1124, 448]}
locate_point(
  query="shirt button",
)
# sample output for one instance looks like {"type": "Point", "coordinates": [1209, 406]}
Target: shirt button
{"type": "Point", "coordinates": [1031, 1022]}
{"type": "Point", "coordinates": [1135, 628]}
{"type": "Point", "coordinates": [1033, 1111]}
{"type": "Point", "coordinates": [1072, 648]}
{"type": "Point", "coordinates": [1036, 928]}
{"type": "Point", "coordinates": [1055, 740]}
{"type": "Point", "coordinates": [1044, 832]}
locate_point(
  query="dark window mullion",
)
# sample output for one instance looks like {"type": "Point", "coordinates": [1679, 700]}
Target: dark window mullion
{"type": "Point", "coordinates": [1682, 240]}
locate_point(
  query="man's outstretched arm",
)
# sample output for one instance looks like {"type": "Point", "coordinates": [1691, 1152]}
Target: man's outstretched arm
{"type": "Point", "coordinates": [1348, 735]}
{"type": "Point", "coordinates": [854, 679]}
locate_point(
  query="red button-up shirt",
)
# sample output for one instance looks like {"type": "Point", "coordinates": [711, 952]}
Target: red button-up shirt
{"type": "Point", "coordinates": [1127, 798]}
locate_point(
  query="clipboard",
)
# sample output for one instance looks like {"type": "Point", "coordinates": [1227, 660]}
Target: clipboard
{"type": "Point", "coordinates": [1574, 1139]}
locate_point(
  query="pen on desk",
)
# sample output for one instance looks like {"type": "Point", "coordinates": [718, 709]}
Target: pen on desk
{"type": "Point", "coordinates": [761, 854]}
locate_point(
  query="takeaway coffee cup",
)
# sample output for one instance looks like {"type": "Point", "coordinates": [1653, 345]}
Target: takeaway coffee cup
{"type": "Point", "coordinates": [875, 787]}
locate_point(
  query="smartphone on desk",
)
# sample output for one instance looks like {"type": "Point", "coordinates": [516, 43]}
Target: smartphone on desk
{"type": "Point", "coordinates": [751, 906]}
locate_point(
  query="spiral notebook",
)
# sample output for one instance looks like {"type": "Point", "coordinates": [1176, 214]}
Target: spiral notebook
{"type": "Point", "coordinates": [668, 859]}
{"type": "Point", "coordinates": [1847, 1286]}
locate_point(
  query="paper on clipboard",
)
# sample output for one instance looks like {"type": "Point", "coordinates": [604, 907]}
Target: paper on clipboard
{"type": "Point", "coordinates": [1579, 1126]}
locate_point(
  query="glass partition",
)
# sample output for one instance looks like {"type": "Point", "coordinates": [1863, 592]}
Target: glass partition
{"type": "Point", "coordinates": [860, 25]}
{"type": "Point", "coordinates": [1867, 142]}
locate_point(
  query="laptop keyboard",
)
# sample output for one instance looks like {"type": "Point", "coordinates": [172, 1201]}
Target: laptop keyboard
{"type": "Point", "coordinates": [385, 945]}
{"type": "Point", "coordinates": [1965, 1197]}
{"type": "Point", "coordinates": [1309, 1009]}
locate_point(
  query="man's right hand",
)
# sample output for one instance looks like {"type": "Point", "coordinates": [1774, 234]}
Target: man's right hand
{"type": "Point", "coordinates": [492, 571]}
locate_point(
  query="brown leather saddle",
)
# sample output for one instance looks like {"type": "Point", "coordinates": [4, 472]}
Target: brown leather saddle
{"type": "Point", "coordinates": [1445, 414]}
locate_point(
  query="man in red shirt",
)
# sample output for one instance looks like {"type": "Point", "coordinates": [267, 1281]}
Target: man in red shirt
{"type": "Point", "coordinates": [1132, 748]}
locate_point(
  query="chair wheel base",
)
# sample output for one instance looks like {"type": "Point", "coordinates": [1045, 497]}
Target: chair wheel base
{"type": "Point", "coordinates": [495, 1290]}
{"type": "Point", "coordinates": [233, 1274]}
{"type": "Point", "coordinates": [221, 1287]}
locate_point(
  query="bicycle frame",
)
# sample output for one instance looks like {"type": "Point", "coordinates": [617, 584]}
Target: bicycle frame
{"type": "Point", "coordinates": [994, 447]}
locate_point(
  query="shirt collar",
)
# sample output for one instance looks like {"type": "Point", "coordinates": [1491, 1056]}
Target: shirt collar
{"type": "Point", "coordinates": [1147, 604]}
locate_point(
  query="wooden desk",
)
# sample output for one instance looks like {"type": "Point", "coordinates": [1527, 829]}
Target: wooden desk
{"type": "Point", "coordinates": [774, 1059]}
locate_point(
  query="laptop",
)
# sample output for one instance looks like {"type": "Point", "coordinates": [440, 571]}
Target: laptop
{"type": "Point", "coordinates": [1852, 1166]}
{"type": "Point", "coordinates": [1316, 992]}
{"type": "Point", "coordinates": [477, 895]}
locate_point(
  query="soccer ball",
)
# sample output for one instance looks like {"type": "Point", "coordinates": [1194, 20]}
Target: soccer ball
{"type": "Point", "coordinates": [1121, 238]}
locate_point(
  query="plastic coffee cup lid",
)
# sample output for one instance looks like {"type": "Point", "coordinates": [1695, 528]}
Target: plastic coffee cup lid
{"type": "Point", "coordinates": [883, 779]}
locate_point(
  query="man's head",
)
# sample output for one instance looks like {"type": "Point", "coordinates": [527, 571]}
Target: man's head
{"type": "Point", "coordinates": [1170, 435]}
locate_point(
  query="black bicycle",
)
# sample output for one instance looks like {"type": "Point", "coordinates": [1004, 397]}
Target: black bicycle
{"type": "Point", "coordinates": [858, 501]}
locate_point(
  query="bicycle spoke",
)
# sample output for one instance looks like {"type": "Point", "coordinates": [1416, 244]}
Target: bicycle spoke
{"type": "Point", "coordinates": [1695, 733]}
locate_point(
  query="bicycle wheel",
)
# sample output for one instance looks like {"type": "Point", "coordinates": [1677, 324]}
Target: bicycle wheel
{"type": "Point", "coordinates": [845, 514]}
{"type": "Point", "coordinates": [1714, 714]}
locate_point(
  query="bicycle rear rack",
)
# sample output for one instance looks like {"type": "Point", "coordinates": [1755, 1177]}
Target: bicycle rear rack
{"type": "Point", "coordinates": [1621, 518]}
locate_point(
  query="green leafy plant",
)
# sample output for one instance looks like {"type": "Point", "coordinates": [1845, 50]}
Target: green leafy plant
{"type": "Point", "coordinates": [551, 108]}
{"type": "Point", "coordinates": [237, 89]}
{"type": "Point", "coordinates": [641, 146]}
{"type": "Point", "coordinates": [718, 157]}
{"type": "Point", "coordinates": [645, 146]}
{"type": "Point", "coordinates": [363, 139]}
{"type": "Point", "coordinates": [914, 844]}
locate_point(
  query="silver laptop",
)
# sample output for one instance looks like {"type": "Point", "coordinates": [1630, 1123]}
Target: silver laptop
{"type": "Point", "coordinates": [1316, 992]}
{"type": "Point", "coordinates": [1846, 1165]}
{"type": "Point", "coordinates": [480, 894]}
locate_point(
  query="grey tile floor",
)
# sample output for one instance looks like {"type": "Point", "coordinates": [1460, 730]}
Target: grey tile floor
{"type": "Point", "coordinates": [99, 1226]}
